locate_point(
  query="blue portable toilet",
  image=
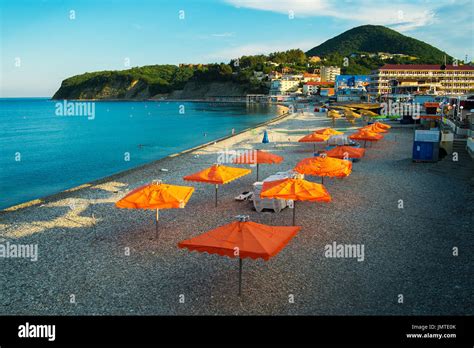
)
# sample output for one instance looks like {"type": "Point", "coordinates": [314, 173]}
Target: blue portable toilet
{"type": "Point", "coordinates": [426, 146]}
{"type": "Point", "coordinates": [265, 138]}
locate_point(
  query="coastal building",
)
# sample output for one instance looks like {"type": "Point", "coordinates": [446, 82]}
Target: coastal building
{"type": "Point", "coordinates": [284, 86]}
{"type": "Point", "coordinates": [274, 75]}
{"type": "Point", "coordinates": [326, 92]}
{"type": "Point", "coordinates": [352, 81]}
{"type": "Point", "coordinates": [311, 77]}
{"type": "Point", "coordinates": [351, 94]}
{"type": "Point", "coordinates": [310, 87]}
{"type": "Point", "coordinates": [297, 77]}
{"type": "Point", "coordinates": [329, 73]}
{"type": "Point", "coordinates": [419, 79]}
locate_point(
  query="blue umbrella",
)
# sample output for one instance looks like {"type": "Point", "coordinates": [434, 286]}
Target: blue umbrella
{"type": "Point", "coordinates": [265, 138]}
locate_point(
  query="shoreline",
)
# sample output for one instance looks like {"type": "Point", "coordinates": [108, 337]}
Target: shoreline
{"type": "Point", "coordinates": [60, 194]}
{"type": "Point", "coordinates": [82, 235]}
{"type": "Point", "coordinates": [217, 100]}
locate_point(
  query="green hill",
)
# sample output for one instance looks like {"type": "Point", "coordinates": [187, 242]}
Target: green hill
{"type": "Point", "coordinates": [241, 76]}
{"type": "Point", "coordinates": [377, 38]}
{"type": "Point", "coordinates": [156, 81]}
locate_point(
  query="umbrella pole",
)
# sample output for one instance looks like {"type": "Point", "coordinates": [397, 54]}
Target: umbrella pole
{"type": "Point", "coordinates": [156, 224]}
{"type": "Point", "coordinates": [217, 186]}
{"type": "Point", "coordinates": [257, 171]}
{"type": "Point", "coordinates": [322, 180]}
{"type": "Point", "coordinates": [294, 213]}
{"type": "Point", "coordinates": [365, 143]}
{"type": "Point", "coordinates": [240, 276]}
{"type": "Point", "coordinates": [314, 147]}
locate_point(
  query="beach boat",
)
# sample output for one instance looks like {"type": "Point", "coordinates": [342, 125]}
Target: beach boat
{"type": "Point", "coordinates": [324, 166]}
{"type": "Point", "coordinates": [156, 196]}
{"type": "Point", "coordinates": [242, 239]}
{"type": "Point", "coordinates": [217, 175]}
{"type": "Point", "coordinates": [258, 157]}
{"type": "Point", "coordinates": [295, 189]}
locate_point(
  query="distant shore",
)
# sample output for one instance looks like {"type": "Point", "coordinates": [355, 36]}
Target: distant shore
{"type": "Point", "coordinates": [202, 100]}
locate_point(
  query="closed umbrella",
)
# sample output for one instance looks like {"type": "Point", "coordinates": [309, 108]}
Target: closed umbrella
{"type": "Point", "coordinates": [217, 175]}
{"type": "Point", "coordinates": [241, 239]}
{"type": "Point", "coordinates": [156, 196]}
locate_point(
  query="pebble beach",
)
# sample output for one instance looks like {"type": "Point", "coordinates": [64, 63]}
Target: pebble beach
{"type": "Point", "coordinates": [95, 259]}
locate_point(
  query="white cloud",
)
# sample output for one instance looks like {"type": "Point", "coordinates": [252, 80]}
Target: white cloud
{"type": "Point", "coordinates": [401, 15]}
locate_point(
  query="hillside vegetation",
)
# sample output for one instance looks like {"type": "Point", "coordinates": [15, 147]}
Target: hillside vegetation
{"type": "Point", "coordinates": [377, 38]}
{"type": "Point", "coordinates": [353, 51]}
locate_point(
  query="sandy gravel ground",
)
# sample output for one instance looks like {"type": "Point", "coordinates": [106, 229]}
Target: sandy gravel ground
{"type": "Point", "coordinates": [408, 251]}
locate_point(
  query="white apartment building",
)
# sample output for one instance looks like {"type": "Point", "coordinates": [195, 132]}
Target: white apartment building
{"type": "Point", "coordinates": [329, 73]}
{"type": "Point", "coordinates": [310, 88]}
{"type": "Point", "coordinates": [431, 79]}
{"type": "Point", "coordinates": [284, 86]}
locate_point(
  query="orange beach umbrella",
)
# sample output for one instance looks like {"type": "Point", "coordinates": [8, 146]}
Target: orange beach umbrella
{"type": "Point", "coordinates": [243, 239]}
{"type": "Point", "coordinates": [383, 125]}
{"type": "Point", "coordinates": [295, 189]}
{"type": "Point", "coordinates": [328, 131]}
{"type": "Point", "coordinates": [324, 166]}
{"type": "Point", "coordinates": [258, 157]}
{"type": "Point", "coordinates": [366, 136]}
{"type": "Point", "coordinates": [217, 175]}
{"type": "Point", "coordinates": [374, 128]}
{"type": "Point", "coordinates": [346, 152]}
{"type": "Point", "coordinates": [156, 196]}
{"type": "Point", "coordinates": [314, 138]}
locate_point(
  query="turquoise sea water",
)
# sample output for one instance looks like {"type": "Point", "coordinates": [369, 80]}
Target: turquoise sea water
{"type": "Point", "coordinates": [42, 153]}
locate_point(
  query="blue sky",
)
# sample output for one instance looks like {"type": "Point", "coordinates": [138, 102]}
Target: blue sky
{"type": "Point", "coordinates": [41, 45]}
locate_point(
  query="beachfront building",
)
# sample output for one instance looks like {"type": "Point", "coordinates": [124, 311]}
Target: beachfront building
{"type": "Point", "coordinates": [311, 77]}
{"type": "Point", "coordinates": [351, 94]}
{"type": "Point", "coordinates": [311, 87]}
{"type": "Point", "coordinates": [284, 86]}
{"type": "Point", "coordinates": [329, 73]}
{"type": "Point", "coordinates": [422, 79]}
{"type": "Point", "coordinates": [352, 81]}
{"type": "Point", "coordinates": [326, 92]}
